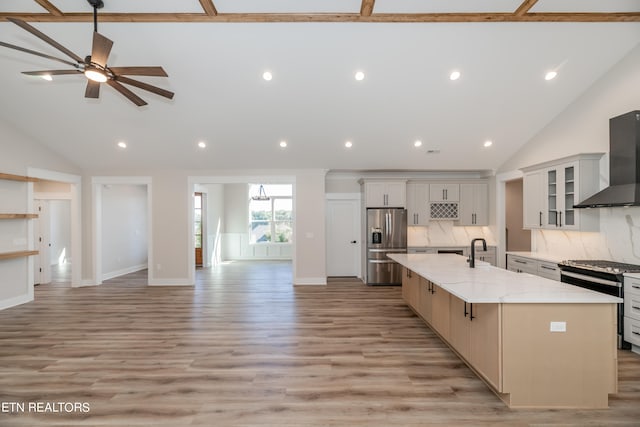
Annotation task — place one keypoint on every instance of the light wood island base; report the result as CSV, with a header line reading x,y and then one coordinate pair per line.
x,y
512,349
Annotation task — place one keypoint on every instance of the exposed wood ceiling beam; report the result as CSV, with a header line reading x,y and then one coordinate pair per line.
x,y
366,9
51,8
330,17
525,7
208,7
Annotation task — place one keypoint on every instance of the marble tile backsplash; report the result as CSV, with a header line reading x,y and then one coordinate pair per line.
x,y
617,240
444,233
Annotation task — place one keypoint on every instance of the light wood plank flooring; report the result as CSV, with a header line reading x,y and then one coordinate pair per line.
x,y
246,348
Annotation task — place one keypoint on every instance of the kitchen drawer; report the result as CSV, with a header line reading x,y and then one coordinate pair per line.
x,y
632,305
522,265
421,251
549,270
632,330
631,285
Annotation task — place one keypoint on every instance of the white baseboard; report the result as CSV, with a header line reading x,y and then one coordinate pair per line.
x,y
310,281
123,271
85,282
169,282
12,302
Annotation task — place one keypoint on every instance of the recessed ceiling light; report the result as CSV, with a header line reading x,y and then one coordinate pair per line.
x,y
267,75
202,144
359,76
455,75
348,144
488,143
283,144
418,143
122,144
550,75
47,77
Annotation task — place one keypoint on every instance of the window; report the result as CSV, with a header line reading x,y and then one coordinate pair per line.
x,y
271,221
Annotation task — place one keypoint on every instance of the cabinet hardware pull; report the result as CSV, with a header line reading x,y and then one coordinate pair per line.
x,y
519,262
635,333
560,215
635,287
548,268
465,309
540,218
471,316
635,308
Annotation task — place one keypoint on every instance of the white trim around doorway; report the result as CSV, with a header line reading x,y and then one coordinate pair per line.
x,y
96,184
76,218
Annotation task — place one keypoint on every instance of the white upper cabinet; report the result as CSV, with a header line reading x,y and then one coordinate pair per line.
x,y
533,200
552,189
447,192
474,204
385,194
417,204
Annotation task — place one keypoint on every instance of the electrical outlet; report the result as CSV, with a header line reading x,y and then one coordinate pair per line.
x,y
558,326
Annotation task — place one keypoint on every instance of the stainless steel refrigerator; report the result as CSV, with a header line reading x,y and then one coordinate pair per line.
x,y
386,233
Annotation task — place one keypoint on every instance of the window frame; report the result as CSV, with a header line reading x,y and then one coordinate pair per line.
x,y
272,221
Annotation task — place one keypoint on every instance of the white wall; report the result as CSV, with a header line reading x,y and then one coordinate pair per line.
x,y
582,128
60,226
124,229
310,245
19,153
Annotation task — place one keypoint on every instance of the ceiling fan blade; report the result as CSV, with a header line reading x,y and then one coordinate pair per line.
x,y
126,92
140,71
45,38
92,90
33,52
101,49
51,72
145,86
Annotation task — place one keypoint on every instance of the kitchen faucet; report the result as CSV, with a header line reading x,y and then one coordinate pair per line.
x,y
472,260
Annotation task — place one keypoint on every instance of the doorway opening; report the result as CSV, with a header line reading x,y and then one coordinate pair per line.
x,y
198,226
56,233
516,237
236,222
122,227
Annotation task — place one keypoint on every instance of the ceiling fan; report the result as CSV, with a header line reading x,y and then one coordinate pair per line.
x,y
94,66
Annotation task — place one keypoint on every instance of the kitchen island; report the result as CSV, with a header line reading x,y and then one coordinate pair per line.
x,y
536,342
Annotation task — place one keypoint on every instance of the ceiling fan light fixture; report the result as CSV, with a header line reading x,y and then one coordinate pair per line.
x,y
95,75
47,77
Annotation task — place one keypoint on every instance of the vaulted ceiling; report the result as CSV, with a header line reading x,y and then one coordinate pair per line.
x,y
215,53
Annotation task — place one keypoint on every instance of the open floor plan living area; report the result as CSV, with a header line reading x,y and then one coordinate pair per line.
x,y
319,213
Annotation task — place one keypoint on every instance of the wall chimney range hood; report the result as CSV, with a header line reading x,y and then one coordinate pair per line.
x,y
624,165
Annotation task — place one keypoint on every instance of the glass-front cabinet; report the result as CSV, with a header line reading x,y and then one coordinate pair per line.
x,y
551,190
561,196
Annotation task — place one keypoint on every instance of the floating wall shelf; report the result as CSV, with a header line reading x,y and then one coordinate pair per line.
x,y
19,254
17,216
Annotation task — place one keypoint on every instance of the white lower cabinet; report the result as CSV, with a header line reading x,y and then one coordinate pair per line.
x,y
632,310
520,264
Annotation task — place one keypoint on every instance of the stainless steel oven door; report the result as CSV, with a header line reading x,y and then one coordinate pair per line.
x,y
609,287
605,286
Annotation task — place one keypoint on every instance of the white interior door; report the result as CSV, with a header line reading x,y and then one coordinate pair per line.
x,y
42,236
343,238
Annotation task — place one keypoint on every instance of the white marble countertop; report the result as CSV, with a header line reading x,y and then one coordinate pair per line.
x,y
489,284
537,256
632,275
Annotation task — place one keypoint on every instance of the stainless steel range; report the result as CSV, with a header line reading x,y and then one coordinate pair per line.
x,y
600,276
